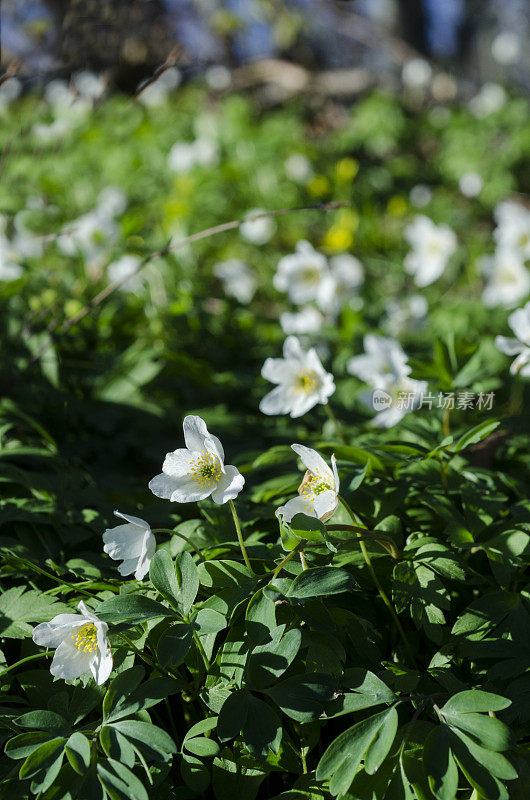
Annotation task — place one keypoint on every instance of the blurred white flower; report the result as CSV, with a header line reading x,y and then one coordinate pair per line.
x,y
10,270
401,395
506,48
345,274
125,269
381,357
300,274
157,92
89,85
89,234
81,645
133,544
238,279
198,470
420,195
409,313
65,102
513,227
301,378
307,320
508,280
490,98
318,491
218,77
52,132
298,168
257,231
470,184
432,246
416,73
183,156
112,201
519,322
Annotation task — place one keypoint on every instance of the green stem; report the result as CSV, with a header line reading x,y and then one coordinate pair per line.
x,y
40,571
148,660
24,661
336,423
239,534
201,650
181,536
363,533
287,558
303,560
382,593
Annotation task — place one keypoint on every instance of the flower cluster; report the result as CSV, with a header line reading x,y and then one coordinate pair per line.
x,y
506,273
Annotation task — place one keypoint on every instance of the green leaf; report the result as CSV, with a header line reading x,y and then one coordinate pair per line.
x,y
342,758
148,738
474,701
144,696
44,721
270,660
476,434
44,758
133,608
439,764
175,643
302,697
77,750
163,577
25,743
188,576
18,608
319,581
120,782
233,715
360,689
120,687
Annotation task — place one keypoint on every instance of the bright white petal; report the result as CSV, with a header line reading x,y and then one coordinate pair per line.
x,y
51,634
144,561
511,347
325,505
124,541
229,485
278,401
101,666
69,662
195,432
187,490
298,505
128,566
277,370
163,485
133,520
292,348
177,463
519,322
313,461
302,403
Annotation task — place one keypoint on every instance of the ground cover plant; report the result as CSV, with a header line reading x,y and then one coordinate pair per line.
x,y
264,520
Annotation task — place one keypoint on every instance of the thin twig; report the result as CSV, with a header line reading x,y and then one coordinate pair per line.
x,y
169,248
170,61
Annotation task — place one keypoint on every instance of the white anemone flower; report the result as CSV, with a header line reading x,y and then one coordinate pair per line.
x,y
132,543
394,396
300,274
519,322
10,270
198,470
344,276
319,490
382,357
238,279
508,280
302,381
432,246
81,645
125,269
513,227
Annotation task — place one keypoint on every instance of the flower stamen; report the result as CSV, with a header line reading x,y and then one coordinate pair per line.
x,y
205,470
85,638
306,381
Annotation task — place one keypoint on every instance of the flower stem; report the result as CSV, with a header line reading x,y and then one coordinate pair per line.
x,y
24,661
363,533
287,558
382,594
303,560
239,534
180,536
336,423
201,650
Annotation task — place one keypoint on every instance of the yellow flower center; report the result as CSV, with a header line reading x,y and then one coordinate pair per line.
x,y
523,240
306,381
85,638
310,275
205,469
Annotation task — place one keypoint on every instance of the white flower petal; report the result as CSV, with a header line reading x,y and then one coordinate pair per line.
x,y
302,403
195,432
229,485
163,485
177,463
313,461
144,561
69,662
277,370
51,634
298,505
510,347
519,322
133,520
187,490
278,401
124,541
325,505
101,665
